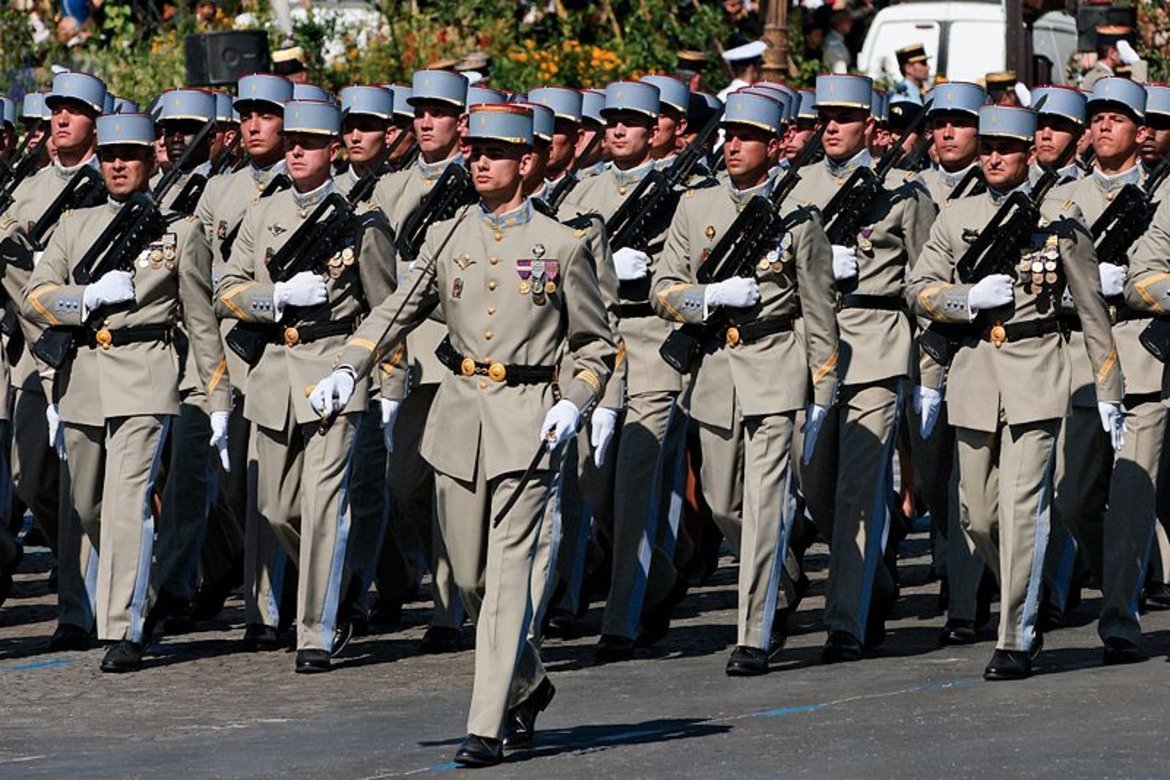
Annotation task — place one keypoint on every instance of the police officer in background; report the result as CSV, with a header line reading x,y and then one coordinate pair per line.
x,y
551,304
1009,381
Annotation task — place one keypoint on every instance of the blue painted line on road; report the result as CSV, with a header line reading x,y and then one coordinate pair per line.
x,y
930,687
780,711
32,666
444,767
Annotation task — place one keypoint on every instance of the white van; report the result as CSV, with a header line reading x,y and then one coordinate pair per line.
x,y
965,40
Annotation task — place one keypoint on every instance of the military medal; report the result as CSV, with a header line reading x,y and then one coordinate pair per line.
x,y
525,287
763,265
156,258
538,250
524,270
550,287
863,242
709,232
457,288
347,256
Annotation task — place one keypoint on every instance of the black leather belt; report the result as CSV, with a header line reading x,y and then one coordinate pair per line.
x,y
878,302
309,332
1018,331
510,374
633,311
752,332
117,337
634,290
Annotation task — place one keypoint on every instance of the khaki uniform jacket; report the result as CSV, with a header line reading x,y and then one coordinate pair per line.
x,y
1147,285
481,263
360,273
875,344
1143,373
1029,378
772,375
222,207
399,195
139,378
647,372
31,199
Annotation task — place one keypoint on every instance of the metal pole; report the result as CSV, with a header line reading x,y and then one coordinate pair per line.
x,y
776,36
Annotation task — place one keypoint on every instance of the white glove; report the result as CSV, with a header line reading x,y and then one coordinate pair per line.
x,y
737,292
304,289
602,425
219,437
927,404
332,393
991,292
113,287
844,262
631,264
1024,95
1128,55
389,415
1113,421
814,418
559,424
1112,279
56,432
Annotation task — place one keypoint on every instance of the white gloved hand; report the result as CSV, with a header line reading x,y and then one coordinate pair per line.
x,y
844,262
991,292
559,424
389,415
1112,279
304,289
603,424
814,418
56,432
219,437
1128,55
631,264
113,287
738,292
1023,94
332,393
1113,421
927,404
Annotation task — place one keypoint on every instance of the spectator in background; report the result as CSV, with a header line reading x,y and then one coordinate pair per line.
x,y
837,57
689,68
743,17
746,63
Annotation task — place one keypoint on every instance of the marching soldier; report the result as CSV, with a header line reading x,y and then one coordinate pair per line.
x,y
438,99
1010,379
566,107
7,128
368,113
302,476
553,304
592,123
746,429
673,99
403,122
847,481
650,440
1059,122
118,393
75,102
182,113
260,100
1107,499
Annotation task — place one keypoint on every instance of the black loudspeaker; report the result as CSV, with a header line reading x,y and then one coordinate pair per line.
x,y
1090,17
221,58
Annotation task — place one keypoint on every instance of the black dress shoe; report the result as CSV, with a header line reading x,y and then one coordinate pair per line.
x,y
562,624
181,619
1157,596
521,724
1009,665
341,636
479,751
441,639
312,661
958,632
747,662
612,648
259,637
841,646
1118,650
212,596
69,637
125,656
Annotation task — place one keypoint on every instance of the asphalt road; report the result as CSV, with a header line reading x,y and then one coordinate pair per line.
x,y
202,708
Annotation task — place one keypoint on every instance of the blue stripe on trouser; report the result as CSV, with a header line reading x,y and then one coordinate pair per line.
x,y
1026,630
676,434
146,541
649,531
556,500
91,577
276,592
785,530
340,540
878,520
1062,572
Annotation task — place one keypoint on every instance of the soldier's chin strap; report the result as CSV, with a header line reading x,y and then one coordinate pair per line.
x,y
327,420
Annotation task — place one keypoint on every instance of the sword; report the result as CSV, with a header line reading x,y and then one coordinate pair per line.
x,y
549,436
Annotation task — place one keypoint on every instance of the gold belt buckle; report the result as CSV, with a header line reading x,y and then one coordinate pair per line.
x,y
292,337
496,372
998,335
104,338
467,367
732,336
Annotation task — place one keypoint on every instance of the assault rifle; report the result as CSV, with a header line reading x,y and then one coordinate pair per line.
x,y
452,190
1127,217
572,177
168,181
26,167
188,197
